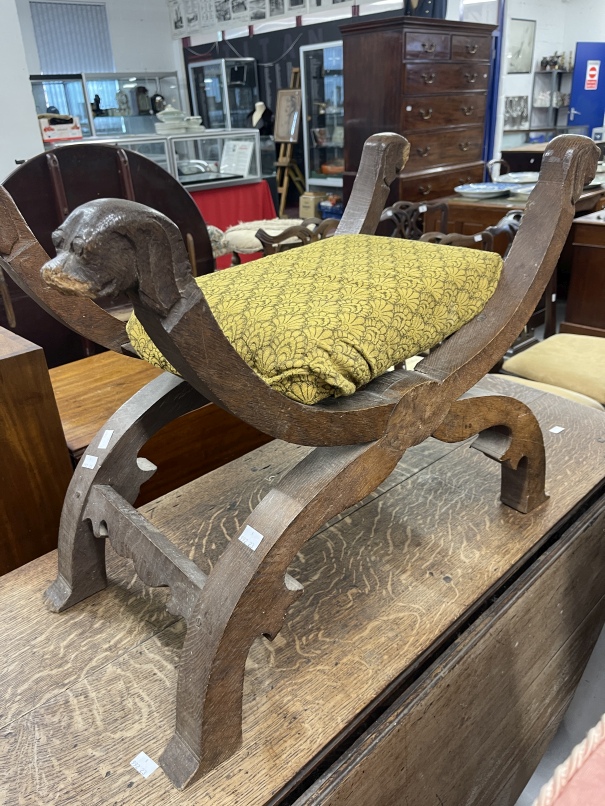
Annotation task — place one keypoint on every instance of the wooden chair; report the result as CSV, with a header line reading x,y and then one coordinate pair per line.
x,y
308,231
407,218
358,439
508,226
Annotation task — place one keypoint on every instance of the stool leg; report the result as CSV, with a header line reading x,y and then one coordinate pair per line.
x,y
111,459
248,594
510,434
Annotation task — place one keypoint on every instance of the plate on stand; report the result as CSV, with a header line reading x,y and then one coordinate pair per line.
x,y
483,190
520,178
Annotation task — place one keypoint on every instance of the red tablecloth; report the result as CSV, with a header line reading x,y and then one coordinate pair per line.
x,y
225,207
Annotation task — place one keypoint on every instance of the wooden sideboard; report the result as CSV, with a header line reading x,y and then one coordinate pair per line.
x,y
34,463
428,80
438,640
585,309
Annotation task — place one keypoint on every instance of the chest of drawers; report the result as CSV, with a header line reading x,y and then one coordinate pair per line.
x,y
428,80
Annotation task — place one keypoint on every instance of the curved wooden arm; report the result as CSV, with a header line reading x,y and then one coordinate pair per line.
x,y
25,257
383,157
569,163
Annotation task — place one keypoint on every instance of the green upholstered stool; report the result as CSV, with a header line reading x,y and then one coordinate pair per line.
x,y
567,360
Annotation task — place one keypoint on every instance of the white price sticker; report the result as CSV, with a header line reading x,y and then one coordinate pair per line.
x,y
478,237
251,538
107,435
143,764
90,461
556,429
423,208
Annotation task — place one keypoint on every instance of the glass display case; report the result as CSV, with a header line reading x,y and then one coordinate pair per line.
x,y
216,158
224,92
108,104
63,95
323,114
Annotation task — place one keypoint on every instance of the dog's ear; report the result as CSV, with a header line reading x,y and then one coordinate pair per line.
x,y
162,265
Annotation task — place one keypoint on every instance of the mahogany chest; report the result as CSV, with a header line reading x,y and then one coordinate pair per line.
x,y
428,80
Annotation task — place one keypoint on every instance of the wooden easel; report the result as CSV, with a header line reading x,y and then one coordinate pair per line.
x,y
287,168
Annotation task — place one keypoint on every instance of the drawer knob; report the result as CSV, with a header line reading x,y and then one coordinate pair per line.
x,y
468,110
471,77
472,48
426,114
429,77
428,47
424,190
423,152
464,146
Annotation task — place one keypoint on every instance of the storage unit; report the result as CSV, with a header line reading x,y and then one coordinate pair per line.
x,y
224,91
114,104
428,80
585,309
323,114
549,103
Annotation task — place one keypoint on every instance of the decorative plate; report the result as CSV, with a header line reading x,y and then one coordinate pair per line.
x,y
520,177
483,190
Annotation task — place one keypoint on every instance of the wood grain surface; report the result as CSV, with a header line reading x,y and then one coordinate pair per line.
x,y
494,700
89,391
82,693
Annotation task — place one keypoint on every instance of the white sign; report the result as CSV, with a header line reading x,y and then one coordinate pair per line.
x,y
592,75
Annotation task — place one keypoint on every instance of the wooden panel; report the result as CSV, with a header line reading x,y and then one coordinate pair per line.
x,y
442,148
494,701
426,112
586,295
471,47
83,692
434,78
426,45
34,463
438,183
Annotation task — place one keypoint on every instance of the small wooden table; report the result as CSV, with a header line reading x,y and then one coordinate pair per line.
x,y
585,310
444,630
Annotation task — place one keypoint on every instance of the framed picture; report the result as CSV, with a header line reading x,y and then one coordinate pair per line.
x,y
520,46
287,116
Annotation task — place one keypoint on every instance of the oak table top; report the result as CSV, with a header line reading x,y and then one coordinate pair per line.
x,y
82,693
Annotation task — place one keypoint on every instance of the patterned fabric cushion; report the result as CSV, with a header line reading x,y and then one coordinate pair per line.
x,y
329,317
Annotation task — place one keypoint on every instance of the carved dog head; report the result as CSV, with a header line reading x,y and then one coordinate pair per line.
x,y
109,246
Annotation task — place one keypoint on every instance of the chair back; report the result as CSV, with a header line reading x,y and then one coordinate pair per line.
x,y
407,218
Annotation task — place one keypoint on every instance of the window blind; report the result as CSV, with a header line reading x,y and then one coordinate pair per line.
x,y
72,37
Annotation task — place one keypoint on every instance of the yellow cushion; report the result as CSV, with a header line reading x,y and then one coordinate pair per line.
x,y
556,390
329,317
567,360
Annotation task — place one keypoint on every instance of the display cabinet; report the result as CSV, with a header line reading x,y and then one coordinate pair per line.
x,y
205,159
224,91
323,113
108,104
64,95
211,158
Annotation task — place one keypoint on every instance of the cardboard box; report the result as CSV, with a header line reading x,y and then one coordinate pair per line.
x,y
62,131
309,204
